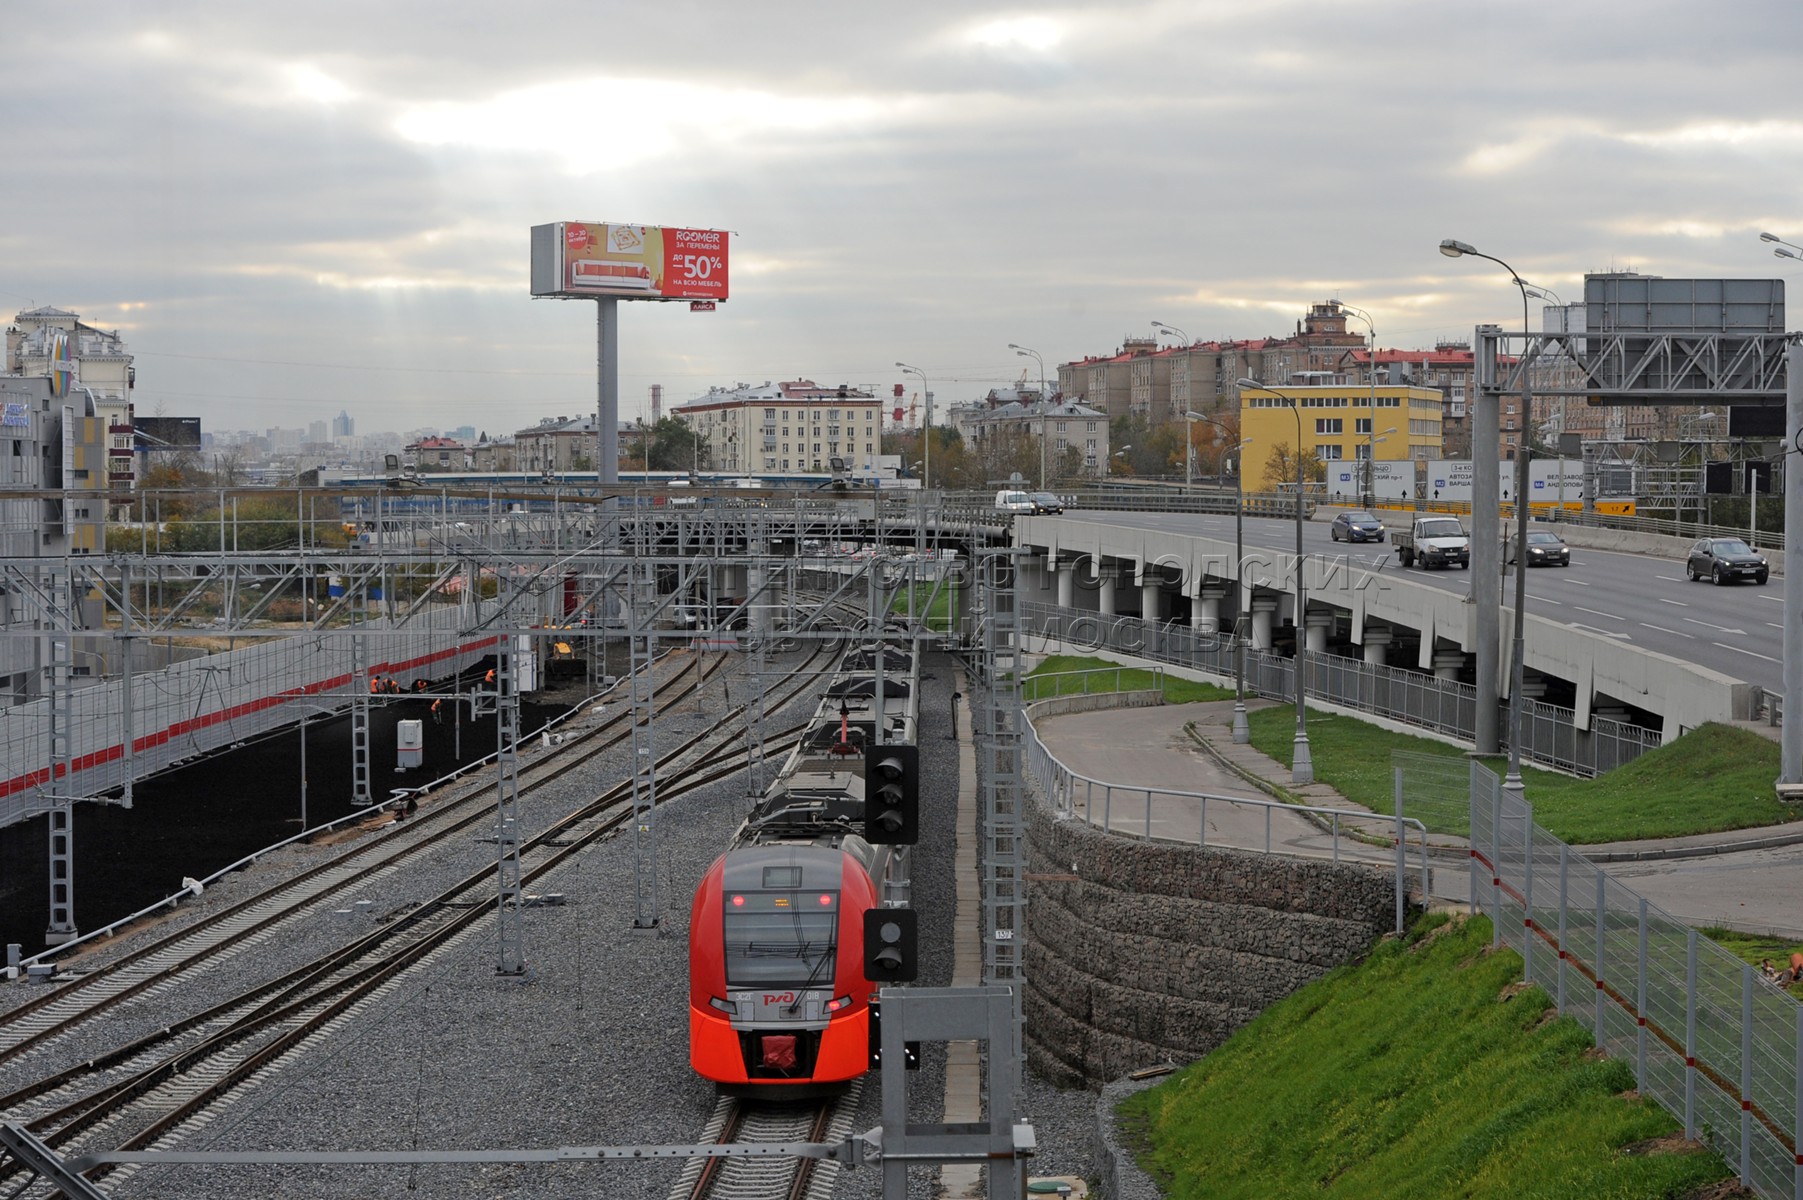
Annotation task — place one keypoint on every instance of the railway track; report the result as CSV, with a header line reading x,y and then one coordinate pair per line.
x,y
150,1090
738,1121
162,963
134,1096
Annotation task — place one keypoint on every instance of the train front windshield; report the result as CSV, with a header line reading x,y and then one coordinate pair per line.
x,y
782,938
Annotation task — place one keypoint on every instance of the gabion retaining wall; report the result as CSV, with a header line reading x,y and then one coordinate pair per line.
x,y
1144,952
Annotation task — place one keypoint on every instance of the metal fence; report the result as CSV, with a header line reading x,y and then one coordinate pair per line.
x,y
1550,736
1128,810
1710,1039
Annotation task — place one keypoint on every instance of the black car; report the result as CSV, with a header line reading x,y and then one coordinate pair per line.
x,y
1544,550
1725,559
1356,527
1046,502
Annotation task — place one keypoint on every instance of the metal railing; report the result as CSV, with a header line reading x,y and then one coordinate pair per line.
x,y
1714,1042
1075,796
1550,736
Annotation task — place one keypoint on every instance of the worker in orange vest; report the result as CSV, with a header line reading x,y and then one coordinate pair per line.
x,y
490,677
438,712
375,685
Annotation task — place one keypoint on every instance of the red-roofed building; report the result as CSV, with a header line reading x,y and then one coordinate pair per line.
x,y
1447,367
436,454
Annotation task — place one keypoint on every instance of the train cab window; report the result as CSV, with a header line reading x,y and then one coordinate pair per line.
x,y
780,938
785,878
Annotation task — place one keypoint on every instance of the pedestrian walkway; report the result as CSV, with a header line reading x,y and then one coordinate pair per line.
x,y
1749,879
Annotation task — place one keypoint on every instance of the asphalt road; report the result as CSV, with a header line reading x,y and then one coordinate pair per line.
x,y
1647,602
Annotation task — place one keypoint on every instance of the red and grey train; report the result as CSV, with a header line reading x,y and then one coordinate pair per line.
x,y
778,1001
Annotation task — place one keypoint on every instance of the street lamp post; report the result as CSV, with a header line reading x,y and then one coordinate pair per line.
x,y
926,430
1372,437
1453,248
1242,731
1023,351
1790,742
1302,767
1370,472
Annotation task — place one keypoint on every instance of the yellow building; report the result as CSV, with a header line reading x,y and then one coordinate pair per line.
x,y
1339,423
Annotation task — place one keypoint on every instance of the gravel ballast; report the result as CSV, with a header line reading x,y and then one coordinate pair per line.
x,y
593,1050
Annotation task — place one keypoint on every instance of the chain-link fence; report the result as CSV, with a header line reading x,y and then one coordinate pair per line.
x,y
1711,1039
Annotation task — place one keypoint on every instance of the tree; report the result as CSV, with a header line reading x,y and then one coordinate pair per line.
x,y
673,445
1280,467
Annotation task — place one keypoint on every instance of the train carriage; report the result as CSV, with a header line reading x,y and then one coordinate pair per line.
x,y
778,1000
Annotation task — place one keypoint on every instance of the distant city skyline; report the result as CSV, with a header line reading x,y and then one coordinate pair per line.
x,y
288,219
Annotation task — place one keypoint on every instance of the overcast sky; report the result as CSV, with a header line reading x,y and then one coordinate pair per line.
x,y
291,210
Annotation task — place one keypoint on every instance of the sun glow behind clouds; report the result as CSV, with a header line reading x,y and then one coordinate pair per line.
x,y
604,123
1037,35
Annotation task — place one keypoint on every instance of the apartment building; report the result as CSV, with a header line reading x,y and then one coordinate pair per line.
x,y
554,444
1447,368
52,343
57,446
1054,427
797,426
1342,423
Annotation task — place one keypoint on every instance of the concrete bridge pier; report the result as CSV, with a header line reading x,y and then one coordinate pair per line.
x,y
1067,584
1316,624
1263,607
1376,643
1205,610
1448,663
1151,601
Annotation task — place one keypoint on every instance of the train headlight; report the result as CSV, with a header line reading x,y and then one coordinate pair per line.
x,y
725,1006
838,1004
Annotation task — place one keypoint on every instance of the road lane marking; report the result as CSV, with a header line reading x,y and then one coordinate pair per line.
x,y
1671,579
1620,637
1673,632
1598,613
1663,600
1773,599
1717,628
1738,650
1579,582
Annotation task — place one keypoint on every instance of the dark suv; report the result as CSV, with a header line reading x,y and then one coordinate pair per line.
x,y
1725,559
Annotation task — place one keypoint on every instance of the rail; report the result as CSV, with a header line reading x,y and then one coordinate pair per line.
x,y
395,796
1061,786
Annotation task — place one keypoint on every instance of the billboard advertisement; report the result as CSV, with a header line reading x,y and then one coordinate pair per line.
x,y
167,433
587,259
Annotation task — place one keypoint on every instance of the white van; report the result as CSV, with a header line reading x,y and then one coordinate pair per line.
x,y
1014,502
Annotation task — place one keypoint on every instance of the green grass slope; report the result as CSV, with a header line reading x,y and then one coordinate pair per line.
x,y
1427,1071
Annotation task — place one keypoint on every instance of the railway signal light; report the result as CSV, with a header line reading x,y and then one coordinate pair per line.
x,y
892,795
890,941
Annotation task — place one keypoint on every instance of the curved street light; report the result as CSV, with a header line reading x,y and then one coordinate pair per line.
x,y
1453,248
1242,730
1302,766
1370,499
926,430
1174,331
1022,352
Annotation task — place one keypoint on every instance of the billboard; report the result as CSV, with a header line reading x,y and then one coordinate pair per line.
x,y
166,433
589,259
1551,481
1390,480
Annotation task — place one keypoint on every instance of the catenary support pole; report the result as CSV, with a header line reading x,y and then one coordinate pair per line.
x,y
1790,742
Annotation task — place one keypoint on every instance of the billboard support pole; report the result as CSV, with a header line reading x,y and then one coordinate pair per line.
x,y
607,383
